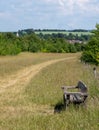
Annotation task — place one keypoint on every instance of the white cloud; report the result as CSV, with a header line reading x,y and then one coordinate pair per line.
x,y
61,2
60,7
67,7
52,13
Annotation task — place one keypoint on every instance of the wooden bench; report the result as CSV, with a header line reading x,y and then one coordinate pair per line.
x,y
78,97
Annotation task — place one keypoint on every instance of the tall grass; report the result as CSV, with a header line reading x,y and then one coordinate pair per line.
x,y
33,107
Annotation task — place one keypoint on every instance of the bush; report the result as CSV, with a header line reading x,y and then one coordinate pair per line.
x,y
91,53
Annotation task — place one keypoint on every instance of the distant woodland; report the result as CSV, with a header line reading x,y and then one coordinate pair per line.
x,y
56,41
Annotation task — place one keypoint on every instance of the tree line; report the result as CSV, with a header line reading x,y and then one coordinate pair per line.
x,y
77,34
10,44
70,36
62,30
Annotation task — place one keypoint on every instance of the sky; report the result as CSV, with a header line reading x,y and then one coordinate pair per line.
x,y
48,14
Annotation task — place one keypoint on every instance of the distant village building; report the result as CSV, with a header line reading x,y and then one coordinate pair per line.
x,y
17,34
75,41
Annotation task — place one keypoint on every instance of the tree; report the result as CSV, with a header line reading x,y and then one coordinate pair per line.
x,y
91,53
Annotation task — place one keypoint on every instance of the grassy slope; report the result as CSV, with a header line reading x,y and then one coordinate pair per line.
x,y
33,107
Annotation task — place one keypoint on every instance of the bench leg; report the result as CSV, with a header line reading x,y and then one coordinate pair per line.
x,y
66,99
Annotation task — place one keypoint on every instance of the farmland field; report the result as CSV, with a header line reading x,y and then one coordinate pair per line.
x,y
63,32
30,88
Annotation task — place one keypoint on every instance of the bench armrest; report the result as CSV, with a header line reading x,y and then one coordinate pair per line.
x,y
68,87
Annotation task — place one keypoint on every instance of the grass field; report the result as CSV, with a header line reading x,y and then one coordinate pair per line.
x,y
29,103
64,32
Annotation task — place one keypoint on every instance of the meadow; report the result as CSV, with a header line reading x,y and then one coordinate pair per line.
x,y
63,32
30,105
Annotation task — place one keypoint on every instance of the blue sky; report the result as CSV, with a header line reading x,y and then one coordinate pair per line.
x,y
52,14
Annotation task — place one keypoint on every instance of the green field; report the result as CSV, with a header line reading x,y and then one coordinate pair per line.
x,y
30,88
63,32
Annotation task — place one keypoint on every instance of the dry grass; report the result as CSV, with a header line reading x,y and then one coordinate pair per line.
x,y
25,73
11,64
29,103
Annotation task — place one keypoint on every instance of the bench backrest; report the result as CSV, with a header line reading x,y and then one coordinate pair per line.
x,y
82,87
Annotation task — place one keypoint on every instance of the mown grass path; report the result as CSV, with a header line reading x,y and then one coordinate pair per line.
x,y
23,76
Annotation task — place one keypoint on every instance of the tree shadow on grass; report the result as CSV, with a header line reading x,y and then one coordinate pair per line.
x,y
59,107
